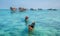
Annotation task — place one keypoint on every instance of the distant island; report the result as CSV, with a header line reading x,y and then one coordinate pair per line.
x,y
21,9
52,9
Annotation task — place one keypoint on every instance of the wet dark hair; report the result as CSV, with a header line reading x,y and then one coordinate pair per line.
x,y
31,26
26,17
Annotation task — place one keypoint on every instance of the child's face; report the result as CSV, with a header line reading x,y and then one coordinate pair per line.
x,y
30,28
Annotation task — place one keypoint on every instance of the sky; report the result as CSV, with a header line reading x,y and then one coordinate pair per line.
x,y
45,4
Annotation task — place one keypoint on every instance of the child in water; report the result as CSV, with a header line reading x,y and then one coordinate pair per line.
x,y
31,26
26,19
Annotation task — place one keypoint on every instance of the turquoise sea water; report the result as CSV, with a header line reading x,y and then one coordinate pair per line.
x,y
13,24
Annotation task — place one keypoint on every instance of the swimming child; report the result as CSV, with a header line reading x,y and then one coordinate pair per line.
x,y
31,26
26,19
